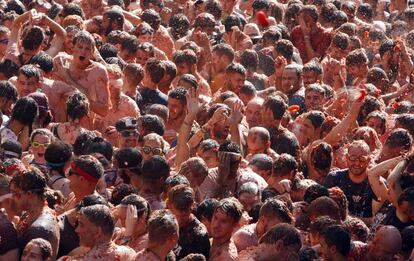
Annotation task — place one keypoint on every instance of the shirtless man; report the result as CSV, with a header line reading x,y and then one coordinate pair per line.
x,y
226,218
89,77
95,229
162,236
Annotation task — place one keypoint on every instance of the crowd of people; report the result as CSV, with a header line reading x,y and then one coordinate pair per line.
x,y
192,130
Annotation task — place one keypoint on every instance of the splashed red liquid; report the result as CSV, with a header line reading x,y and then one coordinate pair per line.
x,y
293,108
362,96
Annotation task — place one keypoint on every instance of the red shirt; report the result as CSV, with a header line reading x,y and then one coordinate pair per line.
x,y
320,41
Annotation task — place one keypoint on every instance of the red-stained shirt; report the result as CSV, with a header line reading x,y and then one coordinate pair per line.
x,y
320,41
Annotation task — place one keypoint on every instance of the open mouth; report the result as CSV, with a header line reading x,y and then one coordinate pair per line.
x,y
82,58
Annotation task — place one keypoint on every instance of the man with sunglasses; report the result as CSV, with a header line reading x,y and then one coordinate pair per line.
x,y
127,132
4,40
353,181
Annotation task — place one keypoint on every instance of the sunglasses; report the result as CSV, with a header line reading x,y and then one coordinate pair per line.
x,y
127,133
155,151
146,31
36,145
71,173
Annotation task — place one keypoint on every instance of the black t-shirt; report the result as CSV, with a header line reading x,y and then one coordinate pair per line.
x,y
150,96
8,235
193,239
69,239
391,219
359,195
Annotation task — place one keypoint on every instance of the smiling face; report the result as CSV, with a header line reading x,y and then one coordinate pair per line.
x,y
38,147
358,159
314,100
26,85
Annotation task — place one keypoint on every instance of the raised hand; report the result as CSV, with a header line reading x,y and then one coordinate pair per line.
x,y
236,115
193,104
280,64
130,220
219,114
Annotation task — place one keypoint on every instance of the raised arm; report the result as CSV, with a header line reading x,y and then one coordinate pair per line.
x,y
183,149
236,117
394,181
60,35
339,131
377,182
18,23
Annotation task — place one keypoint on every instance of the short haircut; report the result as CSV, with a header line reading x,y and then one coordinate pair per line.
x,y
322,222
261,162
158,110
205,209
324,206
249,59
155,69
313,66
208,145
31,181
154,169
161,225
399,138
195,166
101,146
274,208
152,123
181,197
229,146
29,71
224,49
151,17
231,207
235,68
44,246
141,204
315,191
8,91
134,73
277,105
178,93
185,56
90,165
115,15
25,110
190,79
284,164
287,233
386,46
341,41
339,237
77,106
316,118
33,38
356,57
101,216
310,10
58,153
44,61
84,37
285,48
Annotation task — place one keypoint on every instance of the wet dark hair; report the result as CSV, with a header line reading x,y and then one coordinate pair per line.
x,y
90,165
286,143
287,233
101,216
406,195
310,10
181,197
316,118
155,69
399,138
8,91
229,146
72,9
322,222
232,207
77,106
25,110
386,46
130,44
152,124
82,142
224,49
214,7
339,237
45,247
178,93
31,181
186,56
58,153
122,191
365,10
33,38
235,68
189,78
249,59
142,205
274,208
356,57
230,21
108,50
154,169
324,206
99,145
151,17
407,236
91,200
284,164
8,68
315,191
44,61
206,209
29,71
322,157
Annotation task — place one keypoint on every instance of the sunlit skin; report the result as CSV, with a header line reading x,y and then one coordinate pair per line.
x,y
142,57
32,252
25,85
86,231
39,153
222,226
314,100
290,82
310,77
358,159
209,156
153,143
376,124
235,82
253,113
176,108
248,200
